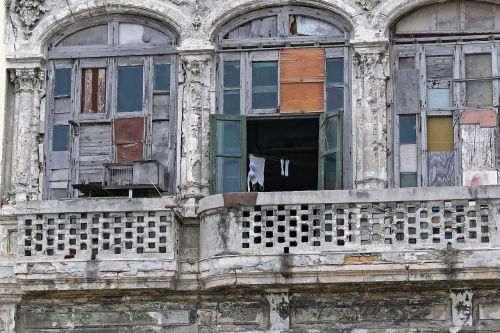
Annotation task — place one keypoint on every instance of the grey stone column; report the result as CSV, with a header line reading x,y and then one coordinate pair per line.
x,y
25,168
7,315
195,101
369,122
461,309
279,310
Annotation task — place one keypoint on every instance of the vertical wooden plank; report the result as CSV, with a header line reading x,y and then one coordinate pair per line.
x,y
407,97
441,168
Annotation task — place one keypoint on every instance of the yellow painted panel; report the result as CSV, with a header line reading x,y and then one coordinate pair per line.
x,y
440,136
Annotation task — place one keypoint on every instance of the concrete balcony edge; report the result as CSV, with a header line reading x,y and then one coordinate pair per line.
x,y
349,196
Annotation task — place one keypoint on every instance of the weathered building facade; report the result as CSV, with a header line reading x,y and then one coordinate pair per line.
x,y
251,166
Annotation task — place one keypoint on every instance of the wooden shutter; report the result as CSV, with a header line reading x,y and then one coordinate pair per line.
x,y
330,151
406,94
128,135
228,154
302,80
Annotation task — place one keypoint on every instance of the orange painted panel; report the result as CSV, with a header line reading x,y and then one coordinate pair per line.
x,y
302,97
302,65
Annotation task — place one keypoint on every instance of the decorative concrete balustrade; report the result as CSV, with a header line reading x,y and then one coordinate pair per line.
x,y
98,239
326,230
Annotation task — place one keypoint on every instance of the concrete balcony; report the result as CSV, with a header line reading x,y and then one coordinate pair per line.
x,y
325,237
95,243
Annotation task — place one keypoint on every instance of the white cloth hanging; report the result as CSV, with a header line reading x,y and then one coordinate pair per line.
x,y
284,167
256,172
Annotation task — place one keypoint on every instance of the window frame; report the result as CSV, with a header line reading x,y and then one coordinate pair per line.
x,y
110,57
420,52
246,57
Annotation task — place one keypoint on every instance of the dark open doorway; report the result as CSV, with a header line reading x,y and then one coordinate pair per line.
x,y
293,139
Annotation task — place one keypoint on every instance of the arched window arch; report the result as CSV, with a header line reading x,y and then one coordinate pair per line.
x,y
110,119
283,102
446,94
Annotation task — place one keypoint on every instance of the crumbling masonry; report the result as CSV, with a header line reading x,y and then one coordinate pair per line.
x,y
127,130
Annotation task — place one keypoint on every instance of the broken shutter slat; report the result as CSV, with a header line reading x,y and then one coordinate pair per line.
x,y
406,98
302,77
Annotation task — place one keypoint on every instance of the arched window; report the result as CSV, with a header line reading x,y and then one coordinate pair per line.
x,y
283,100
111,109
446,94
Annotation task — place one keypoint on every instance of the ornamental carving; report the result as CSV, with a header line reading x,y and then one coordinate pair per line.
x,y
368,4
27,79
28,11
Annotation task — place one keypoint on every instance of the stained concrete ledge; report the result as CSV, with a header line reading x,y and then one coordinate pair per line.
x,y
88,205
353,196
107,274
346,268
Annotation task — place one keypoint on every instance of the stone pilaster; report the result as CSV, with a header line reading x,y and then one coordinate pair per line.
x,y
461,309
195,101
7,316
279,310
370,63
25,162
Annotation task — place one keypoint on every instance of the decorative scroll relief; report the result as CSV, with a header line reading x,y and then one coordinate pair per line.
x,y
368,4
28,11
27,79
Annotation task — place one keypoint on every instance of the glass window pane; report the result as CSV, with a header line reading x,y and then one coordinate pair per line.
x,y
408,179
231,74
130,33
331,135
60,138
407,129
265,85
162,77
228,137
438,98
331,172
93,90
440,134
62,82
477,66
310,26
228,174
335,71
334,98
232,102
479,93
96,35
130,88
